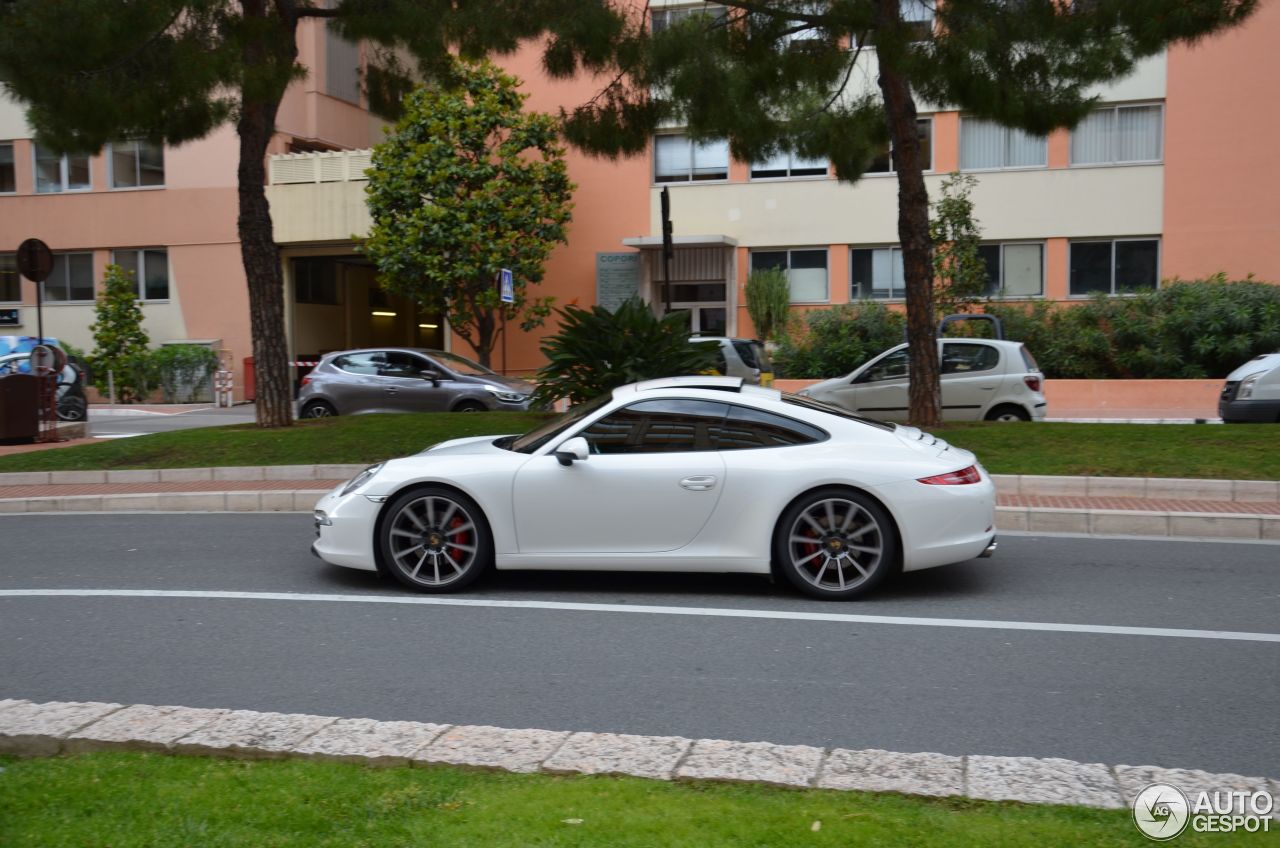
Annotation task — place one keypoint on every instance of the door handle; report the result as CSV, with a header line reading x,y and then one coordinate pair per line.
x,y
392,390
701,483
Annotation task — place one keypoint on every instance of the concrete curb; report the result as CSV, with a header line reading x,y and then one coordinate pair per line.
x,y
1155,488
32,729
271,500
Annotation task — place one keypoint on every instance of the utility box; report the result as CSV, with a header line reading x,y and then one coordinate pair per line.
x,y
19,407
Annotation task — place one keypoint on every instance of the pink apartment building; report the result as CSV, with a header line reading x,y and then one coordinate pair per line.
x,y
1171,177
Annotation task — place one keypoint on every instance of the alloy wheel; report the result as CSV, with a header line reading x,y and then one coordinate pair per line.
x,y
432,541
835,544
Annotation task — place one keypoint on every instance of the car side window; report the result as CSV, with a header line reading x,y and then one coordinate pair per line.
x,y
401,364
967,357
357,363
895,366
744,429
657,426
747,353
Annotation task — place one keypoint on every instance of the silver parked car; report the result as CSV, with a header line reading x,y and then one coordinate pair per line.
x,y
981,380
745,358
403,379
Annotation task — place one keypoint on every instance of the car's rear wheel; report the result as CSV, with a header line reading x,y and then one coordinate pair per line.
x,y
836,544
470,406
318,409
72,408
1008,412
435,540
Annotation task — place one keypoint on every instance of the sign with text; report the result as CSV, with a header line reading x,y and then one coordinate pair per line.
x,y
617,278
507,285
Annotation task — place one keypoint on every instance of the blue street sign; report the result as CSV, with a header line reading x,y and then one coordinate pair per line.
x,y
507,285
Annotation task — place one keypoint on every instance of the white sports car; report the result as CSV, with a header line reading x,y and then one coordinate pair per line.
x,y
679,474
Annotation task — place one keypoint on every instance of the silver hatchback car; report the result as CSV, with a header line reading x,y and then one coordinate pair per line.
x,y
403,379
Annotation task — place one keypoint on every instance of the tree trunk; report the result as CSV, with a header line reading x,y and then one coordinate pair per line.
x,y
258,252
924,397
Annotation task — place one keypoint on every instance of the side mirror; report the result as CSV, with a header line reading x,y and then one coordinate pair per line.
x,y
433,376
576,448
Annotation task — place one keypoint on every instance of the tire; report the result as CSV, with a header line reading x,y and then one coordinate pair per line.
x,y
318,409
72,408
470,406
1008,412
434,539
838,520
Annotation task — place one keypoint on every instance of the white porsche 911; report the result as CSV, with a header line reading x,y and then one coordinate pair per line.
x,y
679,474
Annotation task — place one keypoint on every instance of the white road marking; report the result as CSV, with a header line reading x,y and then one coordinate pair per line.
x,y
707,612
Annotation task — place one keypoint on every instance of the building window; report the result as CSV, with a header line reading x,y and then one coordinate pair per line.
x,y
1114,267
784,164
10,282
55,173
806,271
8,175
71,279
876,272
1013,270
678,159
986,145
150,267
660,19
918,14
136,164
315,280
341,66
886,163
1119,134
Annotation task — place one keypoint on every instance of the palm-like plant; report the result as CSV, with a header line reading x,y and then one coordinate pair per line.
x,y
597,350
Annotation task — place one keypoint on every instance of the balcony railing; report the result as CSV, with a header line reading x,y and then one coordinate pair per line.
x,y
334,167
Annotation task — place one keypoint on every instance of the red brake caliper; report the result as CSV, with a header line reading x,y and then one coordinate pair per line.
x,y
464,538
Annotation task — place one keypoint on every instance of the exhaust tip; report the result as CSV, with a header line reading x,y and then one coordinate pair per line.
x,y
990,549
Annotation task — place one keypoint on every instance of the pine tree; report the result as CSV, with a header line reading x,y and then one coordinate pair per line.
x,y
800,76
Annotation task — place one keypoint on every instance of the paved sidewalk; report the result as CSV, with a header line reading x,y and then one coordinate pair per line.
x,y
31,729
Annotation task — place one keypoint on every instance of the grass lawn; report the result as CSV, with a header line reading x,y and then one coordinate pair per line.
x,y
122,800
1114,450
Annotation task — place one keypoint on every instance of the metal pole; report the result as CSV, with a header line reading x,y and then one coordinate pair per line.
x,y
40,312
504,340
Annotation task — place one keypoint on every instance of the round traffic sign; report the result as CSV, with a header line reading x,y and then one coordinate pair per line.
x,y
35,260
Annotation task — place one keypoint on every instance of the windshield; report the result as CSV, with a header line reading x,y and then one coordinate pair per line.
x,y
543,433
458,365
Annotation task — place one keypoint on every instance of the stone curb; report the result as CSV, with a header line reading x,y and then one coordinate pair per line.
x,y
31,730
276,500
1154,488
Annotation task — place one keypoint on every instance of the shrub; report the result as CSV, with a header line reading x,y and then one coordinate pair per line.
x,y
120,343
832,342
768,294
1185,330
597,350
183,371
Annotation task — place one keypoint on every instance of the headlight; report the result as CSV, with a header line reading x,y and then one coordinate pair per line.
x,y
1246,387
505,394
361,478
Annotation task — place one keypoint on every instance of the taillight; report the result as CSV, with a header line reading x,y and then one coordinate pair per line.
x,y
1033,383
955,478
306,380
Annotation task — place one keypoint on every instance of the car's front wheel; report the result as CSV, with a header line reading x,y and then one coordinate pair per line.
x,y
435,540
835,544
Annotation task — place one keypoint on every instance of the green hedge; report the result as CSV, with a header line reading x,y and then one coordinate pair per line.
x,y
1184,330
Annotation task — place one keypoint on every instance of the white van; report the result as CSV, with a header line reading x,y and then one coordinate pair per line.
x,y
1252,392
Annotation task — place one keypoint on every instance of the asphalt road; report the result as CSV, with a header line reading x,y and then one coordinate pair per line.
x,y
1112,698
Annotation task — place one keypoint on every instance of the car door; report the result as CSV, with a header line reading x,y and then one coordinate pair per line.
x,y
353,383
650,484
880,390
404,387
971,375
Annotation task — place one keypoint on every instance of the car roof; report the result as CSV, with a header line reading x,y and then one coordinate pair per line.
x,y
691,381
424,350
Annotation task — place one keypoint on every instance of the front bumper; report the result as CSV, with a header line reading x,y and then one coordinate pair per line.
x,y
1250,411
347,538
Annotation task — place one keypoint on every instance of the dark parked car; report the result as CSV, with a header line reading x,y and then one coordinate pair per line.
x,y
402,379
